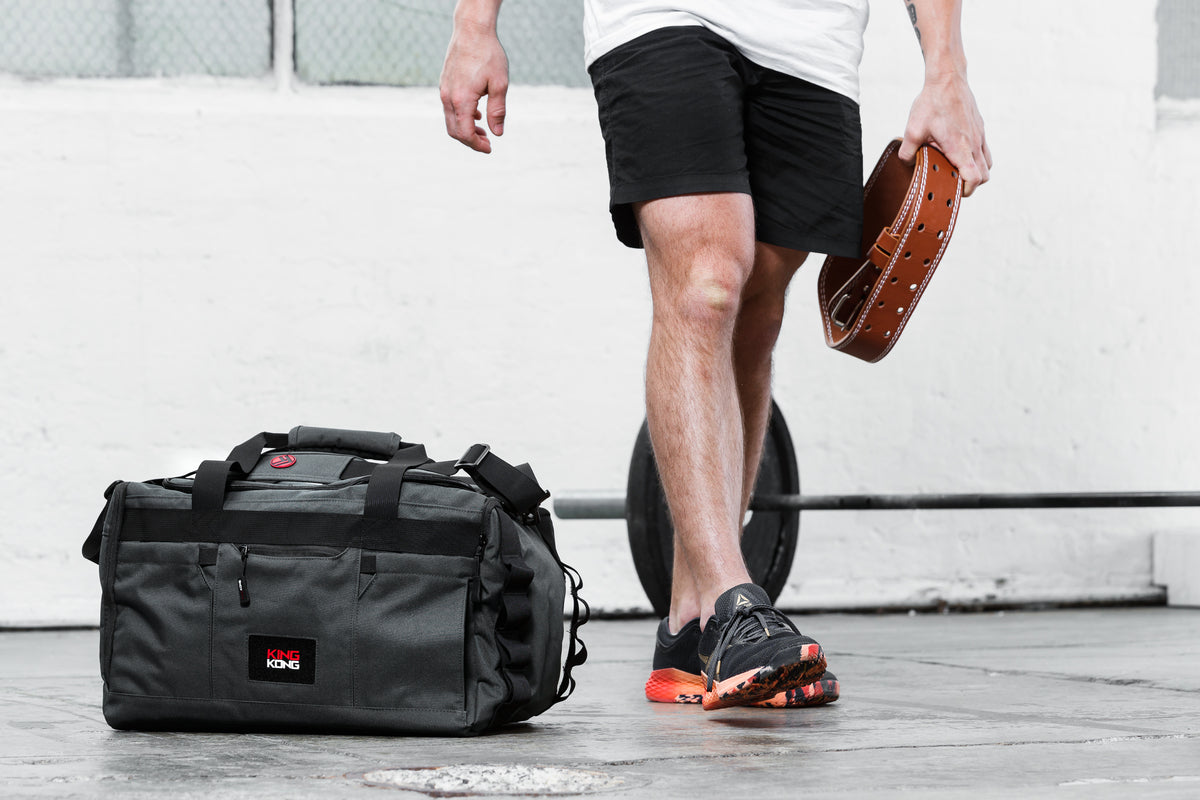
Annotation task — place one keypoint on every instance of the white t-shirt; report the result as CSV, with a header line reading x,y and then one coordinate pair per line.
x,y
817,40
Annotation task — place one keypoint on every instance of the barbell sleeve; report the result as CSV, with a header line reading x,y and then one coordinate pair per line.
x,y
590,505
1015,500
611,504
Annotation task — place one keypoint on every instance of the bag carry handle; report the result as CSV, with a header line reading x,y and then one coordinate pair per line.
x,y
515,486
212,477
383,487
368,444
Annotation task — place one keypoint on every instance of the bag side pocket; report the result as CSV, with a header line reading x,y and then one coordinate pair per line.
x,y
162,625
410,634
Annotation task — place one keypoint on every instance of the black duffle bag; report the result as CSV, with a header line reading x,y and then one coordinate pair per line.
x,y
342,582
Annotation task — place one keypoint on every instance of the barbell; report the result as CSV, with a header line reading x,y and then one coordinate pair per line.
x,y
772,529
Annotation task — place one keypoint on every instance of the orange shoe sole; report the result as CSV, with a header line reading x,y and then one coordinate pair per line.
x,y
677,686
765,683
674,686
818,693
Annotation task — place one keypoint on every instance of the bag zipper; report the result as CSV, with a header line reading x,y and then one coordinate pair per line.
x,y
184,483
277,551
243,586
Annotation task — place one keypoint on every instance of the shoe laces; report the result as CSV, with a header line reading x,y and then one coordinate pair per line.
x,y
748,624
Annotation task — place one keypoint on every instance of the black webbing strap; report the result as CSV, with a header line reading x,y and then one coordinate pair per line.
x,y
516,487
383,488
577,652
512,630
246,454
580,610
208,488
513,626
212,477
91,545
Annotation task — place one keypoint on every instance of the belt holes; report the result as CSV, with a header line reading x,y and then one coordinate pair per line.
x,y
926,262
908,254
867,328
953,174
921,227
912,287
930,195
881,304
948,204
900,310
887,335
935,169
940,234
895,279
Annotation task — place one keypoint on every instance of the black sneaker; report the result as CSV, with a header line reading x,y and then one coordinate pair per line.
x,y
675,676
752,652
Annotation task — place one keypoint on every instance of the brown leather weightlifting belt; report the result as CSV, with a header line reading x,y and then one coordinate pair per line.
x,y
908,216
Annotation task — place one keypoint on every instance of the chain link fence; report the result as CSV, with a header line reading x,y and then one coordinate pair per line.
x,y
1178,49
403,42
135,38
392,42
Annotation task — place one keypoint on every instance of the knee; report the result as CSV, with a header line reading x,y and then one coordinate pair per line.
x,y
709,296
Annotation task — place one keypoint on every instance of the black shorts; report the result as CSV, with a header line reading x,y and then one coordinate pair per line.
x,y
683,112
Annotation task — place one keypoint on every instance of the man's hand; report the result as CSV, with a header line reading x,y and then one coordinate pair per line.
x,y
475,66
945,115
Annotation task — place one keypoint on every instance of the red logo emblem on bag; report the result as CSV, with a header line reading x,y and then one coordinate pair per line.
x,y
283,462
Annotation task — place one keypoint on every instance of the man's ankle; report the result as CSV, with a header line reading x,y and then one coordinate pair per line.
x,y
676,621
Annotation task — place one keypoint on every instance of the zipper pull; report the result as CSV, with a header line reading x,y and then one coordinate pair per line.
x,y
243,587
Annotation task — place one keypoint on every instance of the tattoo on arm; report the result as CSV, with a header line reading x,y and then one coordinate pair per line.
x,y
912,17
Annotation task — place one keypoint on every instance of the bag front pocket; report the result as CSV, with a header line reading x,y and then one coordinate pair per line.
x,y
282,623
161,639
411,632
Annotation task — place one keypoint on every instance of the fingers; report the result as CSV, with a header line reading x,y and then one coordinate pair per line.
x,y
974,167
461,112
972,176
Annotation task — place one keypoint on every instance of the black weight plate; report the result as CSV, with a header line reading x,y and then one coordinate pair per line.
x,y
768,539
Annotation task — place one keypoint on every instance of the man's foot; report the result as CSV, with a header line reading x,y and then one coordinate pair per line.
x,y
752,652
676,678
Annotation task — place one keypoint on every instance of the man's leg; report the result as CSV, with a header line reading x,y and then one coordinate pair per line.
x,y
760,316
757,329
700,253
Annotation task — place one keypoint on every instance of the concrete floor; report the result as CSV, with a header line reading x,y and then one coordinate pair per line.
x,y
1079,704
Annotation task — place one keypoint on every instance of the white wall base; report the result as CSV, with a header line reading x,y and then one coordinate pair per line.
x,y
1177,566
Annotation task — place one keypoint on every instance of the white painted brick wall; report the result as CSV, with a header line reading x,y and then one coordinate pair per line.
x,y
186,264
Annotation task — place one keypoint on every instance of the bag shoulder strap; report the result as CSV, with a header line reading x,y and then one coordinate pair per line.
x,y
516,488
91,545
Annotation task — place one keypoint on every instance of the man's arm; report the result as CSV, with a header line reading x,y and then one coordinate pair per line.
x,y
945,113
475,66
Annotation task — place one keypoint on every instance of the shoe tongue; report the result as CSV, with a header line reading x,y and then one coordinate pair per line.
x,y
747,594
